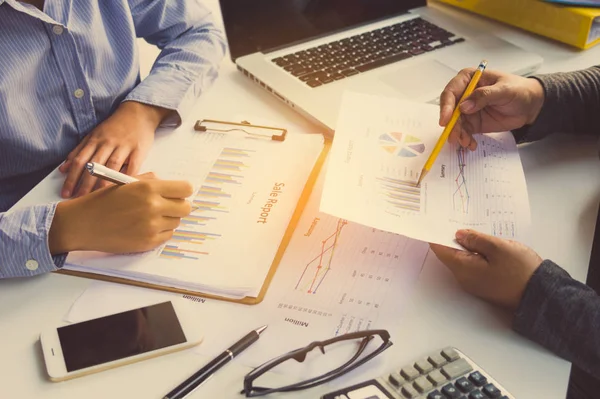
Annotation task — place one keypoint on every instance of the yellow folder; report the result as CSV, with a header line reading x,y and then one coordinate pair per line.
x,y
576,26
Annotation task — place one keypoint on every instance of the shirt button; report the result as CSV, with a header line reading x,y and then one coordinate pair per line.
x,y
31,264
78,93
57,29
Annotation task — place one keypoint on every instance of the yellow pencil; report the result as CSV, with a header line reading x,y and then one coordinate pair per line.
x,y
455,115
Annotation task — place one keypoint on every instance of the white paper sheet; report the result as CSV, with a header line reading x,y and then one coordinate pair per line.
x,y
335,277
246,192
379,149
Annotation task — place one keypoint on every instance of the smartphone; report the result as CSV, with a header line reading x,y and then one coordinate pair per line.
x,y
122,338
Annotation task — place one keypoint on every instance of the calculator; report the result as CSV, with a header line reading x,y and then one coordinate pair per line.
x,y
446,374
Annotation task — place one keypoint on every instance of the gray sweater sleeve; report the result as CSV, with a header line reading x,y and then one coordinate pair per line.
x,y
563,315
571,105
557,311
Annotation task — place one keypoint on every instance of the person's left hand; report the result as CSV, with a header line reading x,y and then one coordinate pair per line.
x,y
494,269
123,139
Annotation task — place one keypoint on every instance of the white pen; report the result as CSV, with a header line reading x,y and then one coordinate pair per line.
x,y
110,175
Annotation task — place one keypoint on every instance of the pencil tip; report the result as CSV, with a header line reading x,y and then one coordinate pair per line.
x,y
261,329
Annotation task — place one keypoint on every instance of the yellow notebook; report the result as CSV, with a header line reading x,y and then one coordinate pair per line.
x,y
576,26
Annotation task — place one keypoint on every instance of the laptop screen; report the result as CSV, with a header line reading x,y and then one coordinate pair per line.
x,y
262,25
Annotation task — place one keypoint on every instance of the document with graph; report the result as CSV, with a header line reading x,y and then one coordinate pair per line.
x,y
335,277
246,190
379,149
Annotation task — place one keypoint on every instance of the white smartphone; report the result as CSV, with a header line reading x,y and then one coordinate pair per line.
x,y
122,338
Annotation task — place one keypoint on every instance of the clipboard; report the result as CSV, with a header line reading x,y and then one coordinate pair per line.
x,y
305,195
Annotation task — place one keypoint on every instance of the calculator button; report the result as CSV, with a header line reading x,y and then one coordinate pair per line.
x,y
423,366
410,373
477,394
451,392
435,395
464,385
450,354
436,377
456,369
477,379
409,392
422,384
437,360
491,391
396,379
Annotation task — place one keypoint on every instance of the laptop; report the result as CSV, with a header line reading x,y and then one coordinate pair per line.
x,y
308,52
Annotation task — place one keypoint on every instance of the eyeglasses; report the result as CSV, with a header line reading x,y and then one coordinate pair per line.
x,y
370,343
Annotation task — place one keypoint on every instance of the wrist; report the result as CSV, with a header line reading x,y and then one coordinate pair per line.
x,y
66,232
536,100
151,113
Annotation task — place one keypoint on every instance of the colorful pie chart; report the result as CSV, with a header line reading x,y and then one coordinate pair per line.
x,y
401,144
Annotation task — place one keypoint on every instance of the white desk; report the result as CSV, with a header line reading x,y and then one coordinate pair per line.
x,y
564,187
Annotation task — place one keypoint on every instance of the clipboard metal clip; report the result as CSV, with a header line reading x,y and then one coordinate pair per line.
x,y
251,131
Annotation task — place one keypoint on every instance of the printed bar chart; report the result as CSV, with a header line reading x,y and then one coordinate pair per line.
x,y
173,252
220,178
209,191
209,206
196,220
401,194
236,152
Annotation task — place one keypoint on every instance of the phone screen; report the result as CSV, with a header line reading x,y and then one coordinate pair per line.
x,y
120,335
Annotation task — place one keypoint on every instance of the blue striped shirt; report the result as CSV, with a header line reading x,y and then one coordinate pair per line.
x,y
65,70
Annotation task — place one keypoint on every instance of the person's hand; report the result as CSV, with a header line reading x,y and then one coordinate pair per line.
x,y
133,217
501,102
123,139
495,269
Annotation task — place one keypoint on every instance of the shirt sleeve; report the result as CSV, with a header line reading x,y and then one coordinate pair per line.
x,y
192,48
24,247
571,105
563,315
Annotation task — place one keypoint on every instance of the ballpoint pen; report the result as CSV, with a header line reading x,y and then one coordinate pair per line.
x,y
108,174
455,115
207,371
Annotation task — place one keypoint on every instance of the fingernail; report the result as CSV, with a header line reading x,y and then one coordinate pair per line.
x,y
467,105
66,193
461,234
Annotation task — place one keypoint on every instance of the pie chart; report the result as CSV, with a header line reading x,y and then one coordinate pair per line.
x,y
401,144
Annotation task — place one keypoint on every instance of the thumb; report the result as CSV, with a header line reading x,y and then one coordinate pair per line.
x,y
477,242
481,98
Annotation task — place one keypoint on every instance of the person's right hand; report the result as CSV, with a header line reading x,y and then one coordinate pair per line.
x,y
501,102
134,217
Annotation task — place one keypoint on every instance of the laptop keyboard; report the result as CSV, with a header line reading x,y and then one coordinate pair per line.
x,y
340,59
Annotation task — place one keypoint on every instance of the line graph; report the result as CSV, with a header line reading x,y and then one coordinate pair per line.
x,y
461,198
321,262
363,271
